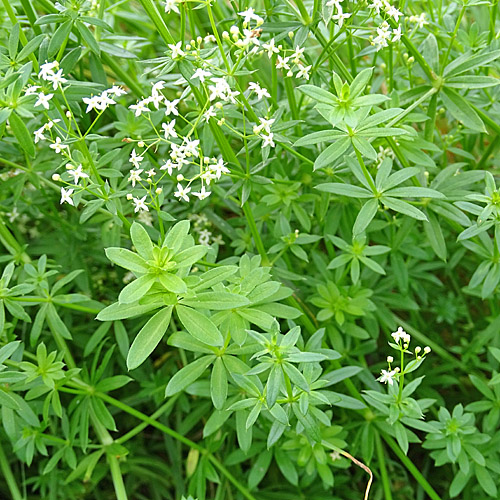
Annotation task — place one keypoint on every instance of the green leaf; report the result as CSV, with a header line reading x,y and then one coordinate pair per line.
x,y
365,216
485,481
88,37
187,375
415,192
190,256
332,152
214,276
403,207
435,235
112,383
216,301
14,41
318,94
199,326
141,241
22,134
218,384
461,110
359,84
173,283
148,338
136,290
345,190
118,311
59,37
176,235
127,259
273,385
316,137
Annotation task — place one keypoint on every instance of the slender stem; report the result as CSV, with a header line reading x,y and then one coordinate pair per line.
x,y
410,466
9,476
114,466
256,235
386,485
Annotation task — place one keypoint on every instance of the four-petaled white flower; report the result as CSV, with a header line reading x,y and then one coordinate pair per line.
x,y
78,174
135,159
201,74
182,193
169,129
249,15
202,194
176,49
271,48
66,196
171,5
268,140
260,91
43,100
387,377
171,107
135,176
57,146
140,204
303,71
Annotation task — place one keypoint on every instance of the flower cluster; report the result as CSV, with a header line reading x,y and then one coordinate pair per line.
x,y
402,342
384,33
340,16
103,100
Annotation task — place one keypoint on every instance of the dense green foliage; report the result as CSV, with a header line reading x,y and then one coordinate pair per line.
x,y
250,250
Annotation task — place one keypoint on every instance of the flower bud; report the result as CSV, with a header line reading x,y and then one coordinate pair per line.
x,y
390,359
56,177
129,196
159,190
180,177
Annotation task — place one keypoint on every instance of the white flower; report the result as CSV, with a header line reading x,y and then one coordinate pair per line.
x,y
140,107
51,123
396,35
57,146
271,48
104,101
419,20
387,377
177,52
282,62
249,15
116,90
182,192
204,237
219,168
341,17
151,173
400,334
169,166
171,5
157,86
268,140
135,159
299,52
209,113
135,176
265,124
171,107
394,13
376,5
140,204
201,74
335,3
191,147
39,134
78,174
56,79
303,71
47,70
43,100
32,89
202,194
91,102
261,92
66,196
169,129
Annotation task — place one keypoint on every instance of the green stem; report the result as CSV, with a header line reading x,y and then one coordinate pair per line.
x,y
386,484
255,234
410,466
9,476
116,474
